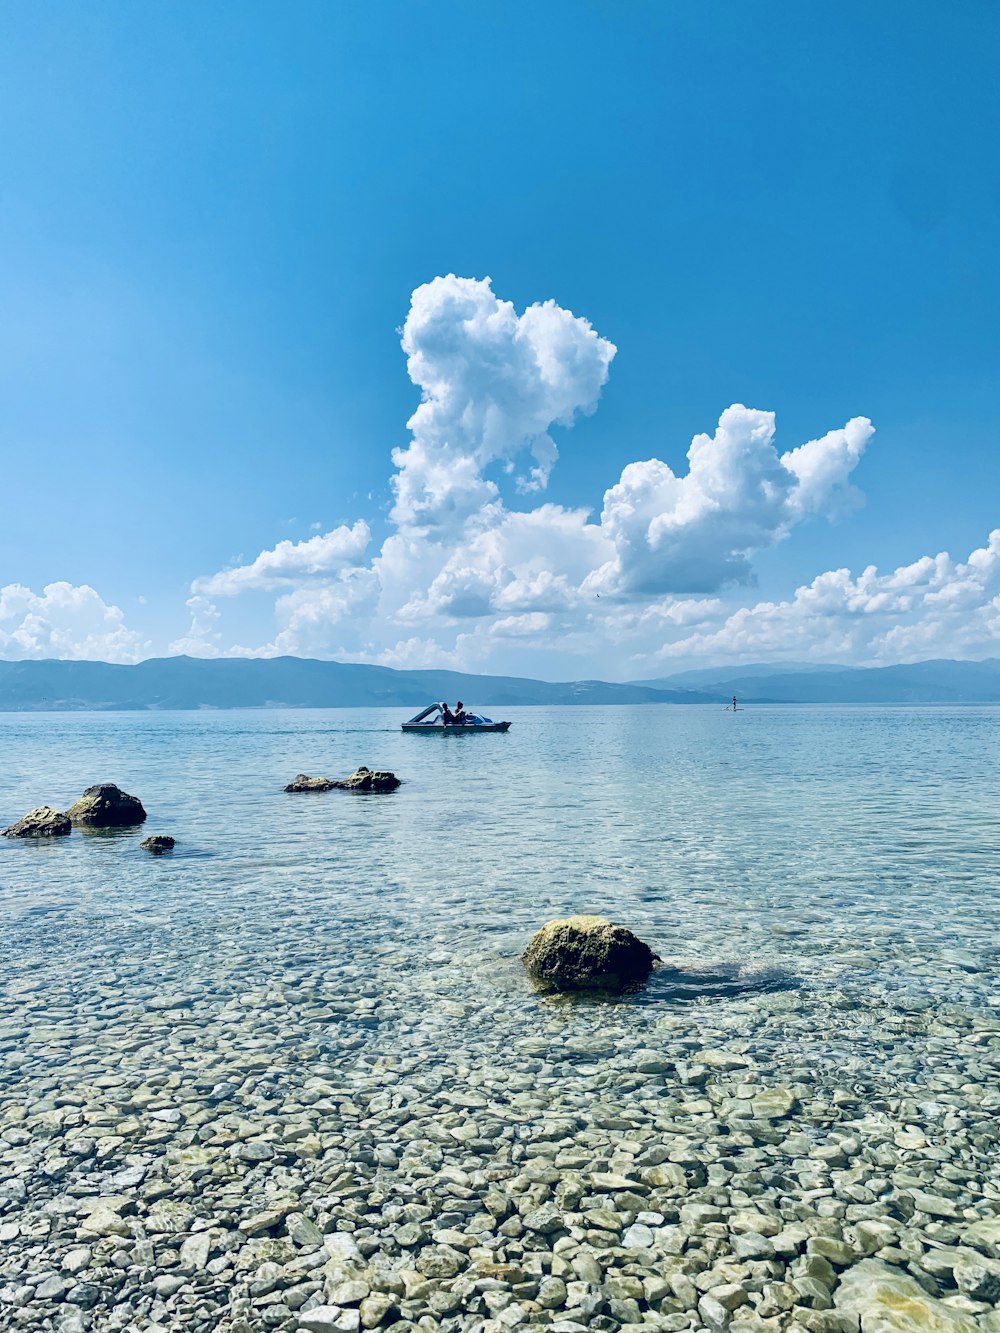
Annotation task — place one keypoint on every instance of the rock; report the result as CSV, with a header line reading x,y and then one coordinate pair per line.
x,y
438,1261
979,1279
374,1309
773,1103
104,1221
51,1288
581,952
302,1230
329,1319
76,1259
195,1251
168,1218
551,1293
888,1300
985,1236
106,806
303,783
363,779
158,844
544,1220
44,822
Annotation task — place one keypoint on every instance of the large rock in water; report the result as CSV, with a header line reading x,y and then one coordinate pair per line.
x,y
889,1300
363,779
106,806
44,822
587,953
303,783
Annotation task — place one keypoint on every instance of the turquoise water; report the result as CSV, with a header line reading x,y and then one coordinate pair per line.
x,y
336,976
829,844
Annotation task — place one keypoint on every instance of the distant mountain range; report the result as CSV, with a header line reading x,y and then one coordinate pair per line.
x,y
295,682
938,682
289,682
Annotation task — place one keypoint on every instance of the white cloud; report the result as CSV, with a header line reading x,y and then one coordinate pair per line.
x,y
492,383
463,579
696,533
932,607
66,621
203,636
473,573
290,561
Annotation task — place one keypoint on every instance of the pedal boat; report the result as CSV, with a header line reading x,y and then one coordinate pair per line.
x,y
431,723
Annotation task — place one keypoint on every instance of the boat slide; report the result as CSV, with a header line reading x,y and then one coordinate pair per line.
x,y
431,723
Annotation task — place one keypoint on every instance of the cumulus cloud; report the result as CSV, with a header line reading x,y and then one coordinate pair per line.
x,y
492,384
470,563
67,621
696,533
290,561
935,606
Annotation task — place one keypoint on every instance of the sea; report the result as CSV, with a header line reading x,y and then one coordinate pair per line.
x,y
822,885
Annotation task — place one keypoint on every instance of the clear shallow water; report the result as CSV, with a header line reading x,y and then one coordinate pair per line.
x,y
828,844
822,884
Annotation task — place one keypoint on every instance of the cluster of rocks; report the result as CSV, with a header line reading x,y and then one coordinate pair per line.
x,y
362,779
103,806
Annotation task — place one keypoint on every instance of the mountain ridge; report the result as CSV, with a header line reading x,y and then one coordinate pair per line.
x,y
184,683
187,683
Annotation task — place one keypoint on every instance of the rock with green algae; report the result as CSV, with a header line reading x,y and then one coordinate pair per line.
x,y
43,822
888,1300
587,953
106,806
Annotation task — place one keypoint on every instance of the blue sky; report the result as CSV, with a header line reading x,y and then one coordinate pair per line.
x,y
212,220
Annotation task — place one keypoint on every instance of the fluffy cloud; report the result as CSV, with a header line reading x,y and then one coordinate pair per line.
x,y
935,606
696,533
65,621
462,564
471,571
492,383
289,561
474,573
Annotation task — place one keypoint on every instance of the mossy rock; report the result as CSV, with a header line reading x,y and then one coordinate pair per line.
x,y
43,822
301,782
107,806
587,953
